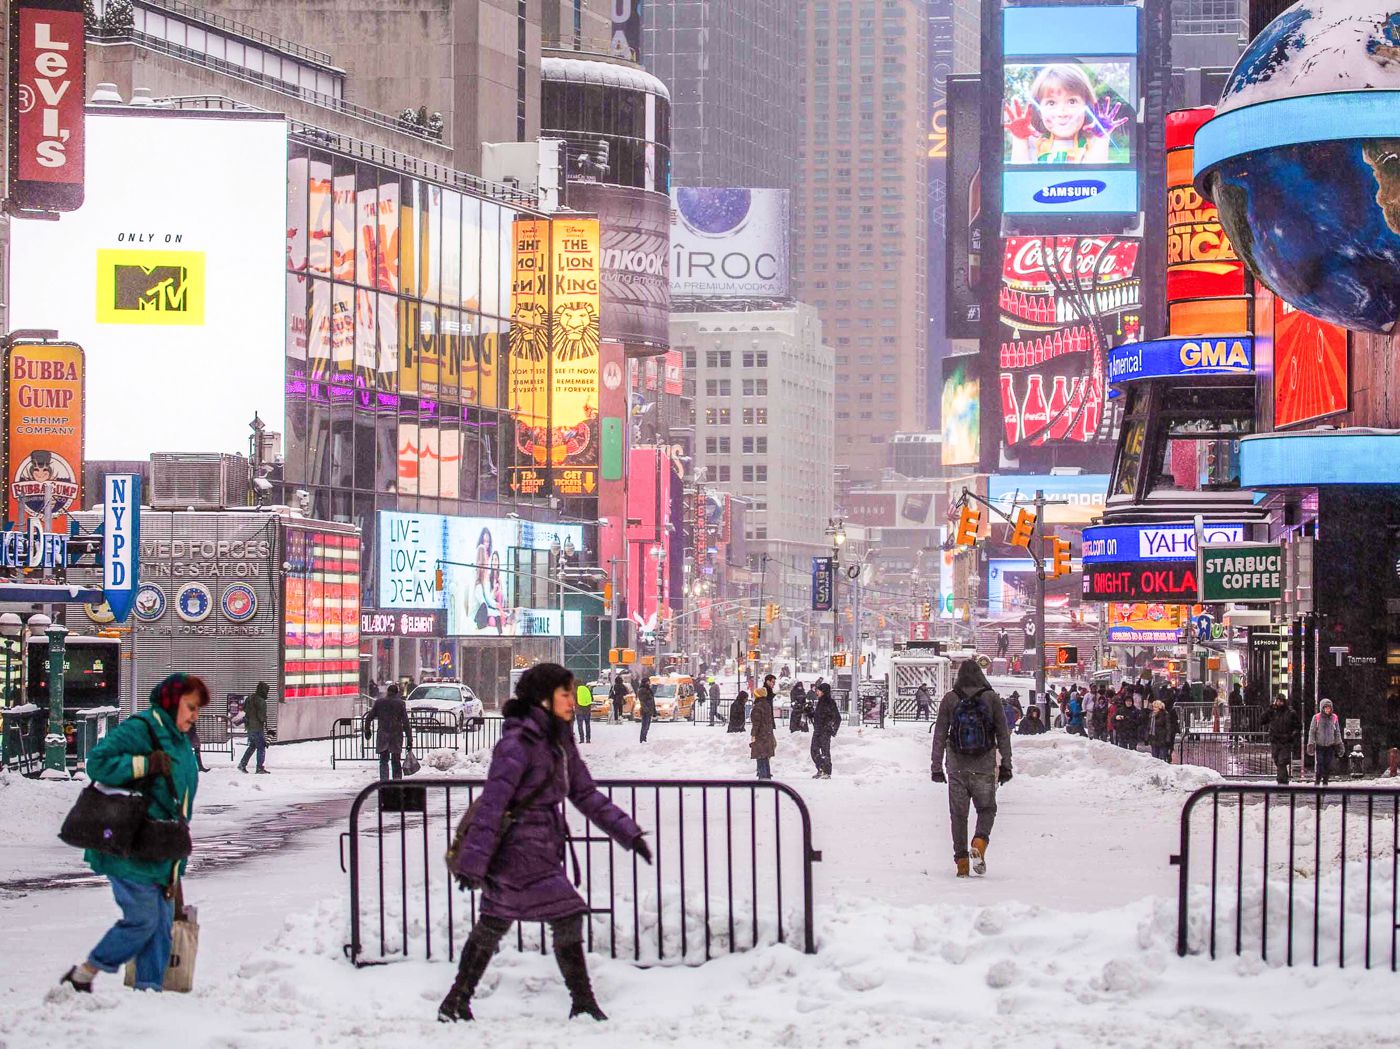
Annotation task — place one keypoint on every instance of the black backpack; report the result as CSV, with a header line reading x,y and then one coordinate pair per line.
x,y
971,731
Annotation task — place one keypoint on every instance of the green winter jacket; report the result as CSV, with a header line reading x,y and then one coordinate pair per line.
x,y
255,712
118,760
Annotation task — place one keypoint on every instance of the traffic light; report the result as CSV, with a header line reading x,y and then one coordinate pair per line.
x,y
1059,557
839,659
437,579
927,611
753,635
770,612
969,521
1023,529
1066,655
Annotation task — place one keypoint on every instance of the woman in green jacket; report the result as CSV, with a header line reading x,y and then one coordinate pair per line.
x,y
151,744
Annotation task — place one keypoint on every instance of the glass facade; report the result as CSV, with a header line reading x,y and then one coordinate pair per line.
x,y
398,294
635,125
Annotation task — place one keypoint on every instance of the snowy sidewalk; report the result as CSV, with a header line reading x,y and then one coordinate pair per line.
x,y
1068,942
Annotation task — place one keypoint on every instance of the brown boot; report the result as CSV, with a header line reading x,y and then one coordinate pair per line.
x,y
961,861
1394,769
979,855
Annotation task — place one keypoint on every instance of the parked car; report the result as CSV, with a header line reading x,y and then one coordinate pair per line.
x,y
675,697
449,697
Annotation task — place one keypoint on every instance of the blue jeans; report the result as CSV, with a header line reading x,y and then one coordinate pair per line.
x,y
257,741
142,933
585,724
764,772
388,758
646,726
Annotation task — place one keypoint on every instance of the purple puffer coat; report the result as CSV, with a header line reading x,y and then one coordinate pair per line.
x,y
524,871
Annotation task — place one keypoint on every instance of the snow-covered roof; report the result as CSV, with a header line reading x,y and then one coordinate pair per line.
x,y
609,74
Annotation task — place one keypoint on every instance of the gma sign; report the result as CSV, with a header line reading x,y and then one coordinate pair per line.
x,y
1225,355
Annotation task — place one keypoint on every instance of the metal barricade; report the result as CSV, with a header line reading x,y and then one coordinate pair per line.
x,y
1235,755
431,731
1290,873
732,870
215,734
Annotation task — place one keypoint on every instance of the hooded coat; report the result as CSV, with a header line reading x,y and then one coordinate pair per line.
x,y
523,868
736,713
826,718
255,710
763,741
392,726
796,716
971,682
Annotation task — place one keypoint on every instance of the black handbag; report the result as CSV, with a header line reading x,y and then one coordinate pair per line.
x,y
104,820
162,840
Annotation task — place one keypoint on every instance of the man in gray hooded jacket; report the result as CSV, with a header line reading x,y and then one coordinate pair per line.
x,y
968,736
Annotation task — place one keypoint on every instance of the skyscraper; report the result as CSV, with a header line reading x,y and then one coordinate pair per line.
x,y
861,225
735,74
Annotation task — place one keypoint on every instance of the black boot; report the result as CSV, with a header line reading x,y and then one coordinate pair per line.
x,y
575,969
458,1003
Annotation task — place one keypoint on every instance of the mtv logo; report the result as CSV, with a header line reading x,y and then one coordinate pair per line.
x,y
163,288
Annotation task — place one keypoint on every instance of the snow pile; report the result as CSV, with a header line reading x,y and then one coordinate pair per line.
x,y
33,812
1103,770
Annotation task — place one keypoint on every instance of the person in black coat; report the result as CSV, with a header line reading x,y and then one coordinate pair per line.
x,y
1285,729
394,732
646,705
1125,723
1031,723
736,712
797,716
826,721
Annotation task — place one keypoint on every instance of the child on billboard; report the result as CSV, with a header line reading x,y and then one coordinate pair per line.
x,y
1064,121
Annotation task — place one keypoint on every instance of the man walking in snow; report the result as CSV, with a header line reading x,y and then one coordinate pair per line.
x,y
968,736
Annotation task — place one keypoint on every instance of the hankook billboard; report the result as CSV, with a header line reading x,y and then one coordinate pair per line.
x,y
729,243
635,226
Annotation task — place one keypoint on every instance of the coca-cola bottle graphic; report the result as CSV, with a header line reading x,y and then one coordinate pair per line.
x,y
1093,407
1059,415
1009,412
1033,410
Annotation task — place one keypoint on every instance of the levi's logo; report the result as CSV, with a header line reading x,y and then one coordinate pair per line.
x,y
1070,192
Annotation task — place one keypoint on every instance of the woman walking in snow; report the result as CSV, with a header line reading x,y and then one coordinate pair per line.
x,y
513,849
736,712
1324,743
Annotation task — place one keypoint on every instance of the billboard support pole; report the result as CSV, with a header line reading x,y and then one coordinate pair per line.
x,y
1040,605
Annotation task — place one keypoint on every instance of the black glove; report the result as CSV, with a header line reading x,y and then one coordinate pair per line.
x,y
158,763
937,776
642,849
465,882
1004,776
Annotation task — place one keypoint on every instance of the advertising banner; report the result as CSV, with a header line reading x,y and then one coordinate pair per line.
x,y
44,427
1242,572
554,349
627,29
121,542
1060,298
729,243
1171,358
1070,109
1311,367
1201,261
635,227
1172,582
1085,493
1145,624
908,509
962,411
182,281
1157,542
321,643
47,95
823,590
964,207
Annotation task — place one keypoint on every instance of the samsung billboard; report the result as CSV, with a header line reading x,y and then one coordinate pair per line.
x,y
729,243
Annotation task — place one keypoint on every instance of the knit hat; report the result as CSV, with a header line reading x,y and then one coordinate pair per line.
x,y
167,694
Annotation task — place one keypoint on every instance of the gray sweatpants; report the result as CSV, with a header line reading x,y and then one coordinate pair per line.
x,y
971,788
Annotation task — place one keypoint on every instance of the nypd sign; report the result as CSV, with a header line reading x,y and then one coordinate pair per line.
x,y
1173,358
121,542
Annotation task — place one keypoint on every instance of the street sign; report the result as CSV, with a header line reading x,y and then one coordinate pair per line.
x,y
1242,572
822,591
121,542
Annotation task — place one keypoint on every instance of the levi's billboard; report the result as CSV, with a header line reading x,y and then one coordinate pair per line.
x,y
47,57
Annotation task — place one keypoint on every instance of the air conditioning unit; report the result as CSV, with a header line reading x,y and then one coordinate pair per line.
x,y
201,482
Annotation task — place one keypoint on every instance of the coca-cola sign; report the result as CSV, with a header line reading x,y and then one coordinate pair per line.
x,y
1109,259
47,55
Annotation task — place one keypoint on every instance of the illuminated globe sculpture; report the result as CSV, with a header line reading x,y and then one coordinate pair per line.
x,y
1303,160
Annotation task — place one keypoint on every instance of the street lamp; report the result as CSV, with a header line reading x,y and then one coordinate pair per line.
x,y
836,531
56,742
11,626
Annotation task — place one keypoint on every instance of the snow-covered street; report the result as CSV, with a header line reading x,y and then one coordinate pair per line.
x,y
1068,941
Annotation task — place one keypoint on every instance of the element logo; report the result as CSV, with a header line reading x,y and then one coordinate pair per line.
x,y
1070,192
240,604
150,287
44,484
150,603
194,603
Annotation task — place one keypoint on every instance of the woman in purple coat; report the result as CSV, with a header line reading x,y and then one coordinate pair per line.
x,y
514,846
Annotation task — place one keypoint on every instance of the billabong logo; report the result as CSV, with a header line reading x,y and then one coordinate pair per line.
x,y
150,287
1070,192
